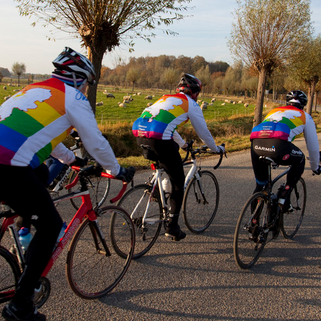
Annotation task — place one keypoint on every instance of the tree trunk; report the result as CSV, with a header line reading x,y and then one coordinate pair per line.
x,y
260,97
310,97
316,101
96,57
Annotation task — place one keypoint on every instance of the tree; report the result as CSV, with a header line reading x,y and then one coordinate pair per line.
x,y
266,34
133,76
1,76
102,24
277,81
18,69
306,67
170,77
204,75
218,84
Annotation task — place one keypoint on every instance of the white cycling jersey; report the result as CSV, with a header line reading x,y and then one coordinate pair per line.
x,y
39,117
161,120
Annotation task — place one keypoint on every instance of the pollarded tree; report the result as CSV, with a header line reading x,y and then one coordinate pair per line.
x,y
204,75
103,24
266,34
133,76
306,67
218,84
277,81
18,69
169,78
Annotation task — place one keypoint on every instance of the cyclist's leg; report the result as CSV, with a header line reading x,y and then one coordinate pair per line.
x,y
54,168
260,168
42,172
170,160
167,152
47,223
289,154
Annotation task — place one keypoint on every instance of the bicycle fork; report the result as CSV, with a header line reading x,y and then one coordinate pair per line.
x,y
97,233
17,246
199,198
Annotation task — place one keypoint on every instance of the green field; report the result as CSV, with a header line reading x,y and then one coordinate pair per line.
x,y
229,122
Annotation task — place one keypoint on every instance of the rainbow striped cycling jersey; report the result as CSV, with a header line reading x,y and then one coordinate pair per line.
x,y
160,120
284,123
32,123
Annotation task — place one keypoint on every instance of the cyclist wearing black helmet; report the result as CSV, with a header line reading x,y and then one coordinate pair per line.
x,y
273,138
156,128
33,123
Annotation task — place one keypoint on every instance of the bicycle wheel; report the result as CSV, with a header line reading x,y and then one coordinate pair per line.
x,y
200,202
98,188
249,236
92,269
10,274
291,221
134,201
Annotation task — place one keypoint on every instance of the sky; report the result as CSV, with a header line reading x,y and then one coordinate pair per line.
x,y
203,33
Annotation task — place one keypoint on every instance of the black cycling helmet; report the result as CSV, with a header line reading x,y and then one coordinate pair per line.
x,y
297,98
73,65
189,85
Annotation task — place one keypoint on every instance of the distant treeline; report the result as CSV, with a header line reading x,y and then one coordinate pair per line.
x,y
160,72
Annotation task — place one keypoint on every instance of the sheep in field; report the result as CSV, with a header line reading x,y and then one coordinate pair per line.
x,y
109,95
204,105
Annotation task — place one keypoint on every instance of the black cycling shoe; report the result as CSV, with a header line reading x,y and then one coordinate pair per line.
x,y
12,312
175,233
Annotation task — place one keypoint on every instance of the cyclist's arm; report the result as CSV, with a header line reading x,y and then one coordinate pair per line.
x,y
83,119
62,153
178,139
197,119
311,139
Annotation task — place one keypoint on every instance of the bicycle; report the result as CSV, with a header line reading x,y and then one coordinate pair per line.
x,y
93,269
261,215
148,208
98,185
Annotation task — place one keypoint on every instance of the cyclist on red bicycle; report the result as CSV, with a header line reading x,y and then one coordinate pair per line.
x,y
33,123
156,128
273,138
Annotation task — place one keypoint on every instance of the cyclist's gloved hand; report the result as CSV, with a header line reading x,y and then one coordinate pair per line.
x,y
126,174
74,134
185,147
221,149
79,162
317,171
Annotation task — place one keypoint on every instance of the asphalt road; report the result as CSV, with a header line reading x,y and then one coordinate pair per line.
x,y
197,278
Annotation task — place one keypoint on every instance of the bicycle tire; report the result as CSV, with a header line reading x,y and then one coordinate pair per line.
x,y
91,272
291,222
247,251
145,236
199,213
98,187
10,274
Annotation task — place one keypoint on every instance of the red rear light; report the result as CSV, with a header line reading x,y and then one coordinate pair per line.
x,y
152,166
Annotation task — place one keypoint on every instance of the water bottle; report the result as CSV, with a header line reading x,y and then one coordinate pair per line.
x,y
62,232
166,184
25,237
